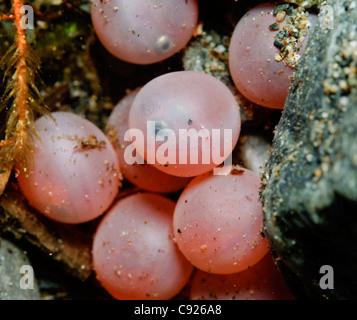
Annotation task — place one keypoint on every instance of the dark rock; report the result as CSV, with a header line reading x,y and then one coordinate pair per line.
x,y
70,245
309,190
12,259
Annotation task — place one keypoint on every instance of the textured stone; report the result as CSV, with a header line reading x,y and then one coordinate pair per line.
x,y
309,190
12,259
67,244
308,3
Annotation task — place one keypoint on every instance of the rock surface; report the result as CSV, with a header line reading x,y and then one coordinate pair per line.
x,y
12,259
309,190
308,3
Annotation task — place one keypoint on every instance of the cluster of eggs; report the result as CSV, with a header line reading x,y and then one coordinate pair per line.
x,y
147,245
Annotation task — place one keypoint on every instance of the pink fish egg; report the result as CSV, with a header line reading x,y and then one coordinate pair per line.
x,y
218,222
141,174
74,177
144,31
134,254
260,282
185,123
260,69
